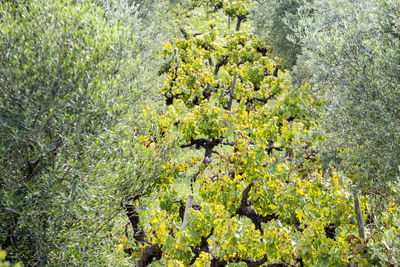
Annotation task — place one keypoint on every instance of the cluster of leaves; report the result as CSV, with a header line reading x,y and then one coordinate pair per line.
x,y
238,10
202,67
261,195
4,263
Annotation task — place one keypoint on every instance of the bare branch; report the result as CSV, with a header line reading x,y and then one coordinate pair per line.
x,y
245,210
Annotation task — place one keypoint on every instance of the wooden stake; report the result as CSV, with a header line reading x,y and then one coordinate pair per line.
x,y
229,17
177,58
189,204
232,93
360,224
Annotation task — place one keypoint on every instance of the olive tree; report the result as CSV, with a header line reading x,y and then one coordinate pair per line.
x,y
71,73
273,21
350,55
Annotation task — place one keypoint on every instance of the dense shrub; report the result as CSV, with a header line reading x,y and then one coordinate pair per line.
x,y
273,21
71,74
350,55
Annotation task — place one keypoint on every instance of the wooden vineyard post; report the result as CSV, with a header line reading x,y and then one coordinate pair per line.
x,y
232,92
357,207
189,204
229,17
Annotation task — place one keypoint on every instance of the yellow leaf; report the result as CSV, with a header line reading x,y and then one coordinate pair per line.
x,y
300,191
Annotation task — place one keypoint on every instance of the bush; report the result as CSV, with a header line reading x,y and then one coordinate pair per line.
x,y
273,21
71,72
350,55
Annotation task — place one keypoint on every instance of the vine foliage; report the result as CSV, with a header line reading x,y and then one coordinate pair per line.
x,y
248,149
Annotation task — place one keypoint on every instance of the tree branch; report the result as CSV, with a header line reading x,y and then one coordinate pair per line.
x,y
149,255
245,210
263,100
221,63
239,21
207,144
203,247
133,216
271,147
185,34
